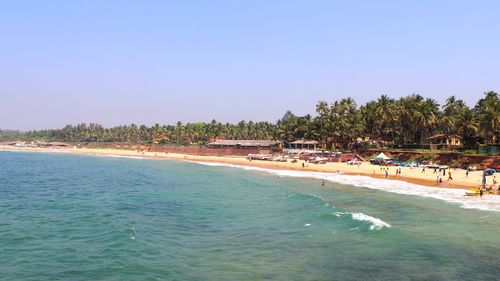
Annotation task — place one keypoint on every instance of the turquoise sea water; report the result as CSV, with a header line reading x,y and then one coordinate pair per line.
x,y
68,217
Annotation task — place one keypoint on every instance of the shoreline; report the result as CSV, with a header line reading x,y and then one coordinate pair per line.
x,y
410,175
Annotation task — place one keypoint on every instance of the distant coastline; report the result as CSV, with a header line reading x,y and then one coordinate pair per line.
x,y
412,175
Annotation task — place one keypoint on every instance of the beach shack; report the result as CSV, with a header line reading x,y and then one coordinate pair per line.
x,y
304,144
56,144
441,141
249,145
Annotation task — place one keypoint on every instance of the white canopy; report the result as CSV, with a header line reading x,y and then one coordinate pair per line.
x,y
382,156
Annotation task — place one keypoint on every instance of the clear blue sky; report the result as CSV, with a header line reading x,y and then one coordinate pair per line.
x,y
118,62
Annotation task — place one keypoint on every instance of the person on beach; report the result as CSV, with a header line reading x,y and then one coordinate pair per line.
x,y
437,180
435,171
423,170
303,165
400,171
484,181
449,176
444,172
467,173
494,180
386,174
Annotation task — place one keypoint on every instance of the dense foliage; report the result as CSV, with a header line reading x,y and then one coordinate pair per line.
x,y
409,120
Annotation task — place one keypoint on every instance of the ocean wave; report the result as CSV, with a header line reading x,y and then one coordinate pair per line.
x,y
120,156
376,223
452,195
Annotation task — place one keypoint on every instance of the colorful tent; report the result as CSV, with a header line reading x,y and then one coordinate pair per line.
x,y
381,156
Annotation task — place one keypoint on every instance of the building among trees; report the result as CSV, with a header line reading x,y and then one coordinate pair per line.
x,y
268,144
440,141
304,144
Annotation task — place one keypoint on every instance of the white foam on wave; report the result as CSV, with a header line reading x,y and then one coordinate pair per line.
x,y
120,156
376,223
453,195
339,214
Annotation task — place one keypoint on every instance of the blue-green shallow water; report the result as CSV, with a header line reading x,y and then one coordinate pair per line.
x,y
93,218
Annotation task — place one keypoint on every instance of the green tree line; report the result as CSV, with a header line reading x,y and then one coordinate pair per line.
x,y
409,120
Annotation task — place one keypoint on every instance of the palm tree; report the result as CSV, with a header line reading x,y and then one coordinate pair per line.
x,y
385,114
323,122
487,110
468,128
452,110
346,121
408,109
428,118
410,119
367,113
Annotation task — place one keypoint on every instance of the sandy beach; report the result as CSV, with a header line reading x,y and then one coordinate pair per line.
x,y
408,174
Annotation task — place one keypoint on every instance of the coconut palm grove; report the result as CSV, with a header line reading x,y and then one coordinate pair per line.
x,y
407,122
